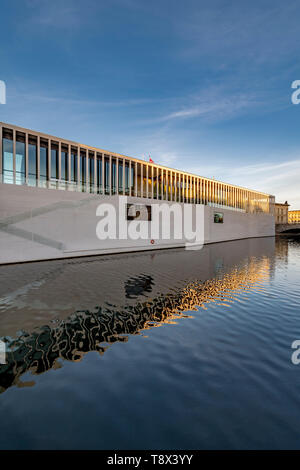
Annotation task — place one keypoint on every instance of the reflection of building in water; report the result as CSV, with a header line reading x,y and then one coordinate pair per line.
x,y
282,250
84,331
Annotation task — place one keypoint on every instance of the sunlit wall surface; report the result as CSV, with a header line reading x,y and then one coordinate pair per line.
x,y
294,217
36,159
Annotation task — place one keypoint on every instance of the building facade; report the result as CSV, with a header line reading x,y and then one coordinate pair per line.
x,y
294,217
281,212
53,192
40,160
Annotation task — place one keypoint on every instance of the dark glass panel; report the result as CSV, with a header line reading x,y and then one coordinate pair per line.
x,y
20,162
43,163
7,161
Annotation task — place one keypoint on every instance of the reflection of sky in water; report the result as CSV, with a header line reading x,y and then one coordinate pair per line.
x,y
227,316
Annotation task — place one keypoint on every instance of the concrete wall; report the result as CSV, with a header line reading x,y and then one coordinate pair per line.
x,y
39,224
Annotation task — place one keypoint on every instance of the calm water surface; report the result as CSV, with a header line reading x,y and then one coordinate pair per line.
x,y
173,349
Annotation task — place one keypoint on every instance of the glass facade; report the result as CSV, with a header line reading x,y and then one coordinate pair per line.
x,y
83,171
64,165
20,162
91,172
127,178
32,164
106,175
114,174
44,163
120,177
54,164
7,161
113,177
73,167
99,175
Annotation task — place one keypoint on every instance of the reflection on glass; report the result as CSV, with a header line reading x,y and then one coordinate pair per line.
x,y
73,169
91,173
113,176
43,163
64,165
106,175
7,161
82,171
99,175
54,163
127,178
20,162
120,176
32,164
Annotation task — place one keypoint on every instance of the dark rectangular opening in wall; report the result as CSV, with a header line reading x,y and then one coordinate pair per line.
x,y
218,217
138,212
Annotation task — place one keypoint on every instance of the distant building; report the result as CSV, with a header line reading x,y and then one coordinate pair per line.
x,y
281,212
294,217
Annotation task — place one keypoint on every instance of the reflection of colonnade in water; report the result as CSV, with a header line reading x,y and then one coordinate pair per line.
x,y
85,331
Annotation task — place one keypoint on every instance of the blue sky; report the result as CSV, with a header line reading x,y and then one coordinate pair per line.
x,y
203,86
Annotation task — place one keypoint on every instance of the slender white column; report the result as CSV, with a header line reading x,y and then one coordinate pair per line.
x,y
49,159
87,173
38,149
117,175
147,180
59,160
194,190
26,157
123,177
175,186
130,178
166,189
103,170
110,173
95,172
1,149
152,182
78,167
69,163
136,180
14,156
142,182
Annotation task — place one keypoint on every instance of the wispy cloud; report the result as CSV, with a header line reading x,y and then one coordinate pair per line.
x,y
215,108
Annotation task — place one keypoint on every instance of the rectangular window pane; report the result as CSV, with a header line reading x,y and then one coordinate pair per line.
x,y
106,176
99,175
64,166
113,176
127,178
73,167
7,161
32,164
91,172
132,178
20,162
54,163
120,176
43,163
83,171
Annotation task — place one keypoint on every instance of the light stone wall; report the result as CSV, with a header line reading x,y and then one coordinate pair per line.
x,y
40,224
